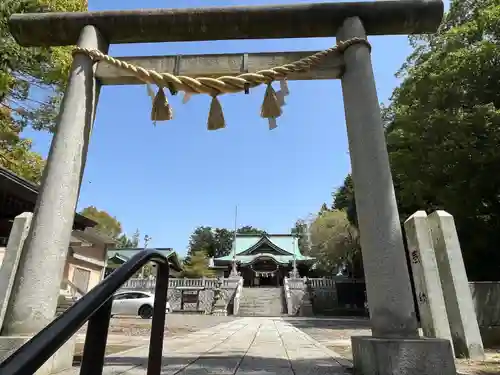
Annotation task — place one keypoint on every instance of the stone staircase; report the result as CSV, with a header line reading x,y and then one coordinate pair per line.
x,y
64,303
261,302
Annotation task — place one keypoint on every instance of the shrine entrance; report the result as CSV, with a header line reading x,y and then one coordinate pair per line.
x,y
266,272
395,340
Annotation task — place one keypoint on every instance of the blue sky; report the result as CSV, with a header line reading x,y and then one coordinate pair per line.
x,y
169,179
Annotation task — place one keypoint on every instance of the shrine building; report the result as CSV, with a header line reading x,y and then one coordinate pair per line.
x,y
264,260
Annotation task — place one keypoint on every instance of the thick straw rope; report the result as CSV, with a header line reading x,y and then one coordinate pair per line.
x,y
224,84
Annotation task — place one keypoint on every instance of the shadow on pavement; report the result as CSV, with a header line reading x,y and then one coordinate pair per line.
x,y
334,323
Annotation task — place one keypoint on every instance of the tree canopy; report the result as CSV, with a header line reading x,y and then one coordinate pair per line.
x,y
31,85
129,242
334,241
106,224
216,242
111,226
443,130
197,266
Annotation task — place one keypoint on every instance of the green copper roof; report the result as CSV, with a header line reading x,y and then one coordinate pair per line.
x,y
116,257
249,247
127,253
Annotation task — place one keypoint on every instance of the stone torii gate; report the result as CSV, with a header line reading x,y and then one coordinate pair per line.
x,y
395,346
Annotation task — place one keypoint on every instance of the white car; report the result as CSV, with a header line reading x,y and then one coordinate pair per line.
x,y
134,303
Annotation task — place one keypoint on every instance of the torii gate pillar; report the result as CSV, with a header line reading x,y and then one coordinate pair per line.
x,y
35,292
395,346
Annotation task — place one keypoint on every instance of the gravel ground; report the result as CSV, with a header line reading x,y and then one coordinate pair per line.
x,y
335,333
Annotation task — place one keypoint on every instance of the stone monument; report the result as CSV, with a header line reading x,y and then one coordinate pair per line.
x,y
218,302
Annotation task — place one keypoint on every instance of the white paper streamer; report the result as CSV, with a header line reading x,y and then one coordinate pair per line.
x,y
281,98
186,97
272,123
284,87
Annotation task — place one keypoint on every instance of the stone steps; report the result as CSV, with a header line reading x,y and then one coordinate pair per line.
x,y
261,302
63,304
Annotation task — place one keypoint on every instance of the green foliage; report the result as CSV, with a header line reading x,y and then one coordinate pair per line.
x,y
443,130
15,152
248,229
31,83
25,70
216,242
301,231
343,199
128,242
106,224
197,266
334,240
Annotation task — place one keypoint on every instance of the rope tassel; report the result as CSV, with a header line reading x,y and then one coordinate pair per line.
x,y
271,107
161,111
215,116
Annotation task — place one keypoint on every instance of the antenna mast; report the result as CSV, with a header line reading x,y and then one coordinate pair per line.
x,y
234,270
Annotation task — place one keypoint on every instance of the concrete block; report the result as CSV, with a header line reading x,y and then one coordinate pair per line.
x,y
391,356
457,295
60,361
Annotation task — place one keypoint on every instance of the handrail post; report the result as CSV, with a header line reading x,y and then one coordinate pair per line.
x,y
158,323
96,338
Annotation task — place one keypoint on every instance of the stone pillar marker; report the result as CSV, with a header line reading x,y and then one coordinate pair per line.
x,y
457,295
36,288
395,347
10,263
428,288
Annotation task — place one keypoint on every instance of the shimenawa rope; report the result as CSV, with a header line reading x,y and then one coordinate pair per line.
x,y
271,107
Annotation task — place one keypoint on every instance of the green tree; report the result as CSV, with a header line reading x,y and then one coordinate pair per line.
x,y
197,266
334,241
128,242
31,83
26,73
106,224
443,130
223,241
248,229
343,199
216,242
202,239
15,151
301,231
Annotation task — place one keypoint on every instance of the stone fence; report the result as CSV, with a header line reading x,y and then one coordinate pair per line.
x,y
192,295
486,298
340,296
328,296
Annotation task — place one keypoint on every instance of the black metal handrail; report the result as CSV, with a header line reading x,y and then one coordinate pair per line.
x,y
95,307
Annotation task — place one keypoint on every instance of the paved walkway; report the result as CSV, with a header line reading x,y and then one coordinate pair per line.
x,y
256,346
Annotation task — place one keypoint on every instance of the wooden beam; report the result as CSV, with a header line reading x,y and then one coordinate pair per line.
x,y
383,17
218,65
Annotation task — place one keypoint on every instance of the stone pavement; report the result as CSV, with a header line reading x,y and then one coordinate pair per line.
x,y
257,346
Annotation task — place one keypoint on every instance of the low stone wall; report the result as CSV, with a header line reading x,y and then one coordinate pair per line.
x,y
206,294
486,298
324,296
328,296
